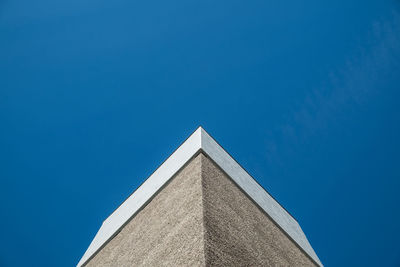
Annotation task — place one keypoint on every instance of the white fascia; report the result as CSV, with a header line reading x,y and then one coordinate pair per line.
x,y
200,140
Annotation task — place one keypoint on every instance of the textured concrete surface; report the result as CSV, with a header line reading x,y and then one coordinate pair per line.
x,y
198,141
201,218
168,231
144,193
263,199
237,232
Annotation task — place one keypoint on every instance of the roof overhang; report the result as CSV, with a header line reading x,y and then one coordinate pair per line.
x,y
198,141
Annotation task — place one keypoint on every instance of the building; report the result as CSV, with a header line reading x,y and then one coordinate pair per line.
x,y
200,208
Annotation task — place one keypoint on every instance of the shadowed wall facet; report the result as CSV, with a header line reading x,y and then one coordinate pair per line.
x,y
237,232
201,218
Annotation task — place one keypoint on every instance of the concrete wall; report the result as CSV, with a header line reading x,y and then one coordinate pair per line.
x,y
237,232
168,231
200,218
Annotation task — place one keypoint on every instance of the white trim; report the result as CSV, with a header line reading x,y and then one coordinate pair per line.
x,y
257,193
199,140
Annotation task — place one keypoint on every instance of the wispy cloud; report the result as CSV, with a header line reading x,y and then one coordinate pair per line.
x,y
350,88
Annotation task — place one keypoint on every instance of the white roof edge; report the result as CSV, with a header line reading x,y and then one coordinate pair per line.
x,y
257,193
199,140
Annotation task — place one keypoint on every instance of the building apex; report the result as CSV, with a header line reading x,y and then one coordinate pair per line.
x,y
198,141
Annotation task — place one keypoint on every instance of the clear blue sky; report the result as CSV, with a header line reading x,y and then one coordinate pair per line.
x,y
94,95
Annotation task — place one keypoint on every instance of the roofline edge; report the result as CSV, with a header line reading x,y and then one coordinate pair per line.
x,y
198,141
